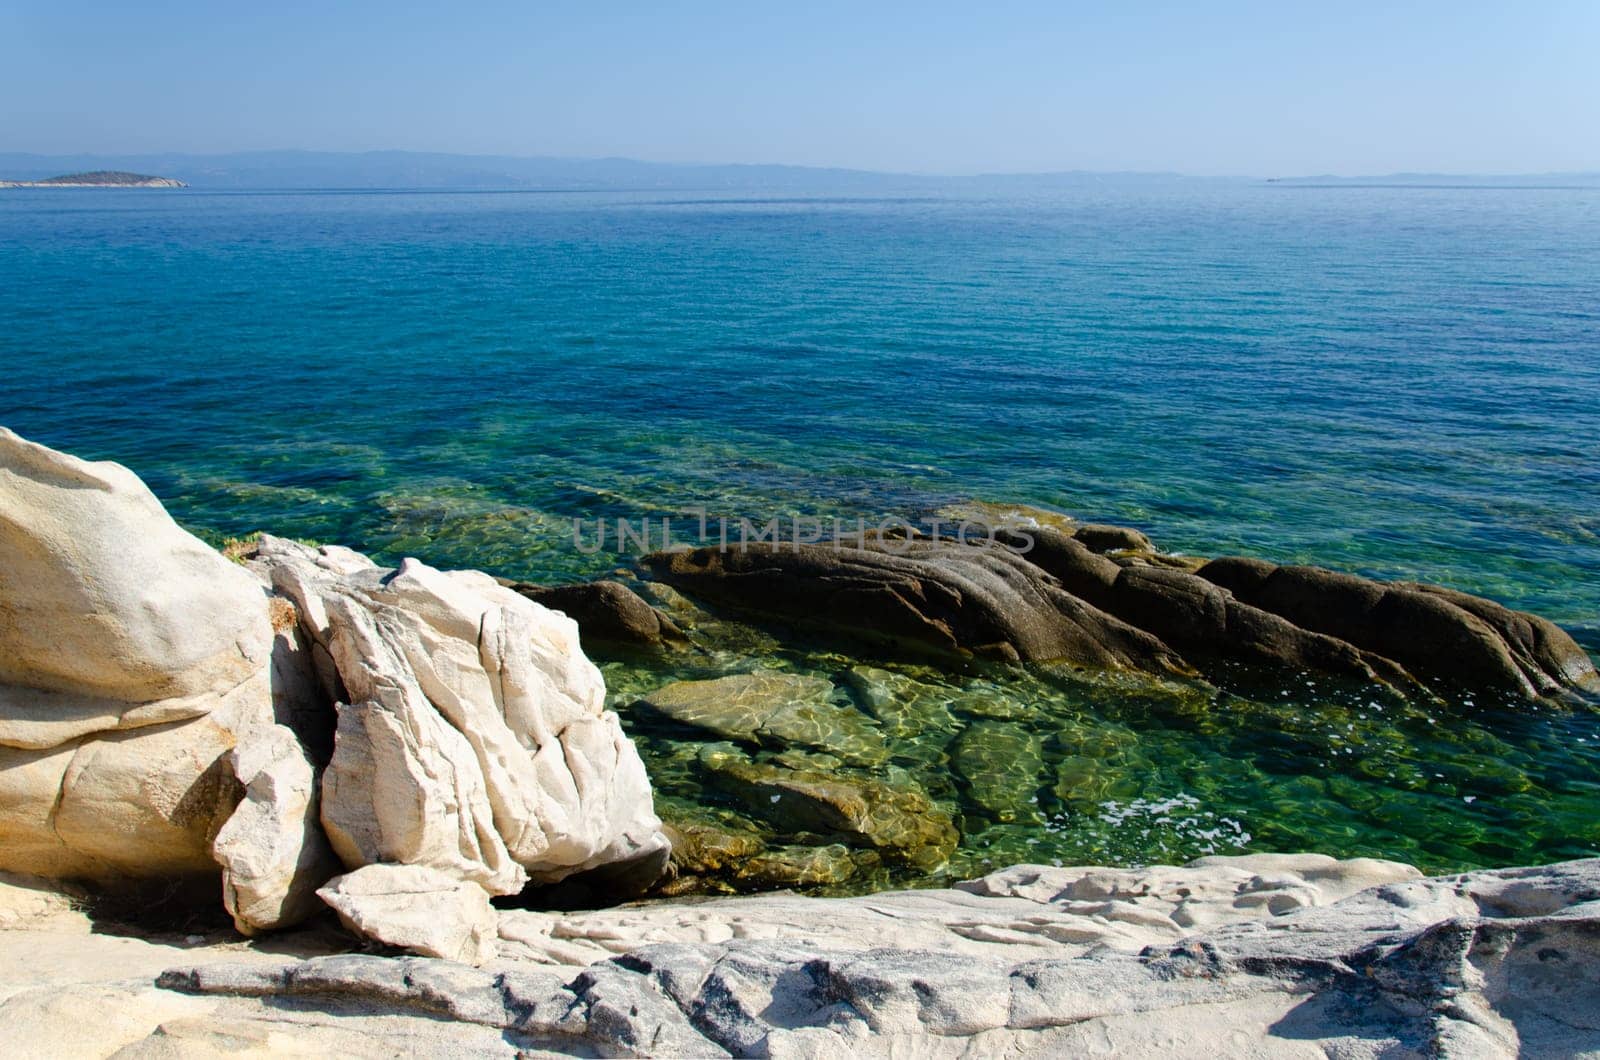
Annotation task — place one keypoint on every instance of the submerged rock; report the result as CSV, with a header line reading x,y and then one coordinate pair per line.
x,y
797,866
1001,767
909,711
1100,597
990,701
707,856
705,849
772,709
979,515
929,596
901,823
1098,764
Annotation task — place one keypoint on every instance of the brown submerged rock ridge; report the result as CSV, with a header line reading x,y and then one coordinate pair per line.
x,y
933,596
1101,597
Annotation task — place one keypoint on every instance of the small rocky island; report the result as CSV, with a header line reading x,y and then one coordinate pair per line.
x,y
374,775
100,178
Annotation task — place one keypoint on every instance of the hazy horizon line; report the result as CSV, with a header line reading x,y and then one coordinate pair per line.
x,y
818,168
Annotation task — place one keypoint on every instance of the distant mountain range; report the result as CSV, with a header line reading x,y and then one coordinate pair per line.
x,y
1449,180
416,169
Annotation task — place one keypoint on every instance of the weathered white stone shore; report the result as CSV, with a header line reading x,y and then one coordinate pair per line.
x,y
1262,956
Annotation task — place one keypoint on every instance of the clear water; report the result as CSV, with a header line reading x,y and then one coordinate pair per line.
x,y
1399,382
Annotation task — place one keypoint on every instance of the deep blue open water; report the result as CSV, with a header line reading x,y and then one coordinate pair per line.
x,y
1403,382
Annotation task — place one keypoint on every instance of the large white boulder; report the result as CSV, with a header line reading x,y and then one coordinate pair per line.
x,y
473,738
105,596
132,657
140,676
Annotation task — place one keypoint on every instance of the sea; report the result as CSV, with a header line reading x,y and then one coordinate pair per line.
x,y
1399,381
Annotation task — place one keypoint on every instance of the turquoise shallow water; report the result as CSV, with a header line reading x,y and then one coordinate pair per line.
x,y
1400,382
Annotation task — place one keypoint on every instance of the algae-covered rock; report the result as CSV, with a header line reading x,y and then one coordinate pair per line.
x,y
771,709
1096,763
989,702
703,848
983,514
1001,766
798,866
900,822
716,852
908,709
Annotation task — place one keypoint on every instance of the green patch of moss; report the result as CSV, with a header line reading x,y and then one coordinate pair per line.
x,y
239,549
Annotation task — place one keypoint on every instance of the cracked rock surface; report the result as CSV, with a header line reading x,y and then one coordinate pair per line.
x,y
1268,955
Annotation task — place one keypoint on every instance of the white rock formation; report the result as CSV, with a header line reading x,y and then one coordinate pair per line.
x,y
132,657
472,737
105,596
142,677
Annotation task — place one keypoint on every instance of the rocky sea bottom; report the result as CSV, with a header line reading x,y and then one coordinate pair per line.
x,y
1051,766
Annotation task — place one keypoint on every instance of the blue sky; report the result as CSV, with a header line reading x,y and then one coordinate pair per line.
x,y
1251,88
